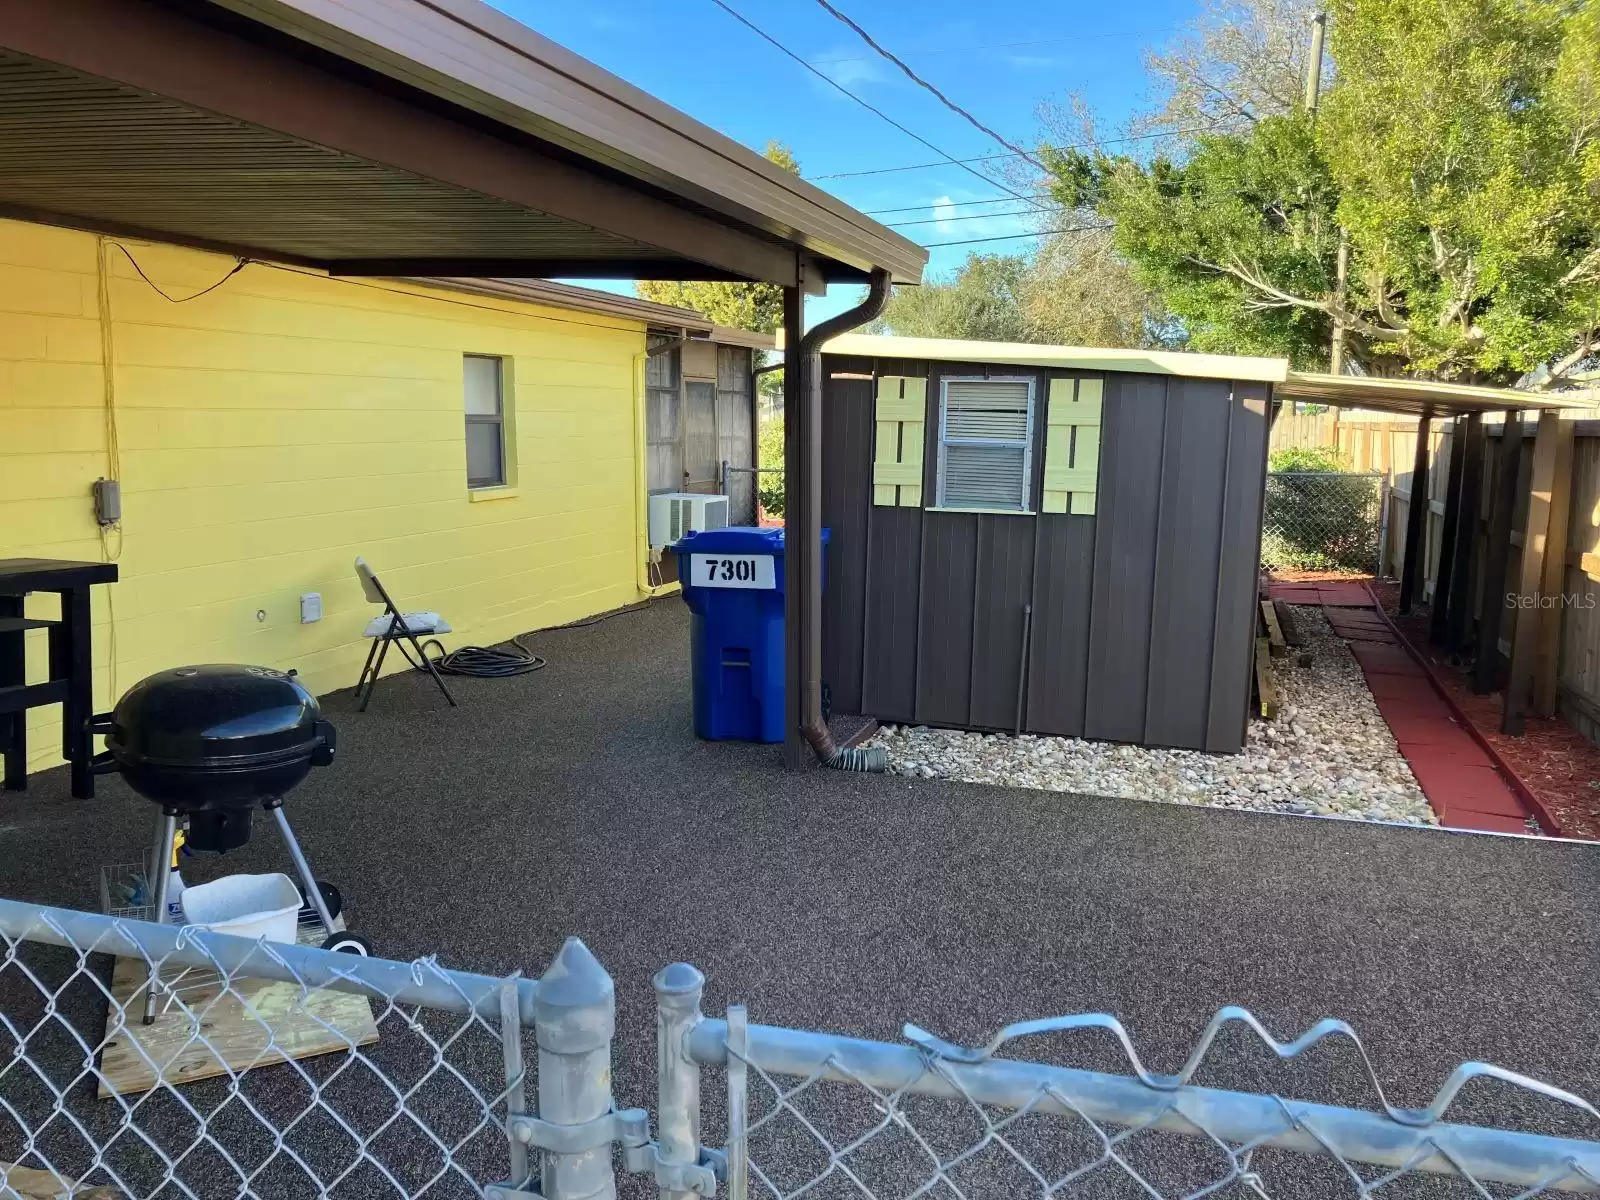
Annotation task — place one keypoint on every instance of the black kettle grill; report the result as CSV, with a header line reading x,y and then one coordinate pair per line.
x,y
210,743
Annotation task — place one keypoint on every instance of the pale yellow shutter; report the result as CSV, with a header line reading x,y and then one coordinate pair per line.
x,y
1072,446
901,412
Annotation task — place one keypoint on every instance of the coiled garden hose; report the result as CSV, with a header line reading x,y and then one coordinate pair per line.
x,y
860,758
485,662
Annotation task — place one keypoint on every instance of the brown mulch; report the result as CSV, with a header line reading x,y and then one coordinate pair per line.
x,y
1317,577
1553,760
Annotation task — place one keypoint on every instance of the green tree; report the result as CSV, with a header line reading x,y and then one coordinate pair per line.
x,y
1076,289
1459,145
753,306
982,300
1216,236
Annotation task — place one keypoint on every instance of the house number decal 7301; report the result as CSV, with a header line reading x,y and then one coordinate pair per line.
x,y
732,571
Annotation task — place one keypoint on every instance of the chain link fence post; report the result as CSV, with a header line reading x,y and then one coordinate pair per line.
x,y
575,1017
678,1170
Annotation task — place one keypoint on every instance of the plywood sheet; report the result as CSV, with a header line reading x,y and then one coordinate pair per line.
x,y
234,1036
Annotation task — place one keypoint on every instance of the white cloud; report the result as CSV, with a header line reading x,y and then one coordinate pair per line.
x,y
845,65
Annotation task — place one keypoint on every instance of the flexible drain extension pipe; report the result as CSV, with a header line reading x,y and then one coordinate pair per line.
x,y
809,362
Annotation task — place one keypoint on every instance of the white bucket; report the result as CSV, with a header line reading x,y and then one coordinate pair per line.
x,y
250,906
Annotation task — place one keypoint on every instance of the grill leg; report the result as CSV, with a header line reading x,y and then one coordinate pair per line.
x,y
307,879
162,861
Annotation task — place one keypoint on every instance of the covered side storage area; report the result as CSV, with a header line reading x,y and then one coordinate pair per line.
x,y
1044,539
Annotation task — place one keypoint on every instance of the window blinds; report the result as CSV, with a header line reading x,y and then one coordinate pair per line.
x,y
985,443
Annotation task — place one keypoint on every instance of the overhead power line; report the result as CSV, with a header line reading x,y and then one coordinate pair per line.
x,y
1010,237
1082,37
1027,212
926,86
873,212
833,83
1138,137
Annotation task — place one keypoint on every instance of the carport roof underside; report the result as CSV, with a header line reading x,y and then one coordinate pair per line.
x,y
393,137
1407,396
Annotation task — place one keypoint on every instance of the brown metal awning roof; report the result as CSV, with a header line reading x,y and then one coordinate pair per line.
x,y
1412,396
392,137
582,299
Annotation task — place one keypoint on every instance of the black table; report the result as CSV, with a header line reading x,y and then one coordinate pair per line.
x,y
71,666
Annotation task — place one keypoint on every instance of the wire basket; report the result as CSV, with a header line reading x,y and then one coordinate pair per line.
x,y
125,892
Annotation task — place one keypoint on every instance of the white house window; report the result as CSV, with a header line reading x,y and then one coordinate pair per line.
x,y
985,437
486,422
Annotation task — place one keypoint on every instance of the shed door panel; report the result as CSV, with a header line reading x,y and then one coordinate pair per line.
x,y
1127,516
1234,648
889,652
1059,646
944,644
1003,588
1188,546
847,511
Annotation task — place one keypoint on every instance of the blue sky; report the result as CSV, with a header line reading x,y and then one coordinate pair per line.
x,y
998,59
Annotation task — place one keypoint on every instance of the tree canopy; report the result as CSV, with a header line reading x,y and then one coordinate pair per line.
x,y
1075,289
754,306
1459,147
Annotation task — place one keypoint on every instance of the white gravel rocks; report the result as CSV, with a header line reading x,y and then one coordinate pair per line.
x,y
1328,753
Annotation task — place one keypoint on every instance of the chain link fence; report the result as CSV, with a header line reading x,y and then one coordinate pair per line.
x,y
439,1098
406,1094
1322,521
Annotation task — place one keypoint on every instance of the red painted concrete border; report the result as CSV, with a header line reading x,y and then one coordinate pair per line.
x,y
1546,819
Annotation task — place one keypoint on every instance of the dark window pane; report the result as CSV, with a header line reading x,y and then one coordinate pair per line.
x,y
484,464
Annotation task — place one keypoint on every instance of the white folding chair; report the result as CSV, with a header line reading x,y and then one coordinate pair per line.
x,y
394,626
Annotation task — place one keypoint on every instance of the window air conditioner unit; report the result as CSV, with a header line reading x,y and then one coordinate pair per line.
x,y
674,514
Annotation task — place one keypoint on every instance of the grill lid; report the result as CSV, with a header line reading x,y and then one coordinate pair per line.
x,y
220,716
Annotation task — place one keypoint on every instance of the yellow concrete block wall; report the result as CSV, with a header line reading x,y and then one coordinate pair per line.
x,y
272,429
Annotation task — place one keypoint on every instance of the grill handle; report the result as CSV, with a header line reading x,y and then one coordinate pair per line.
x,y
327,742
102,725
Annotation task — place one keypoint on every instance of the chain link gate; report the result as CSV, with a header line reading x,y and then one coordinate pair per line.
x,y
1322,521
443,1103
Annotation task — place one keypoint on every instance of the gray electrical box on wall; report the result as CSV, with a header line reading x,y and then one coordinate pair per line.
x,y
107,501
310,607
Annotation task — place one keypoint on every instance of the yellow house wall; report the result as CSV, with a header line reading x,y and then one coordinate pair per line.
x,y
273,429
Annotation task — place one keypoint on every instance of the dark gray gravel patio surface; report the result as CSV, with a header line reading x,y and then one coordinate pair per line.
x,y
577,801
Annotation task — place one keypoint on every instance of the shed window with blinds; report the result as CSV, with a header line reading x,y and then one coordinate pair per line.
x,y
985,443
486,423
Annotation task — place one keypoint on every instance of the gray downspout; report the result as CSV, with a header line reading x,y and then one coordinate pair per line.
x,y
808,532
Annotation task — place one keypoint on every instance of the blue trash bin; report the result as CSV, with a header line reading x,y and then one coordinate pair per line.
x,y
733,582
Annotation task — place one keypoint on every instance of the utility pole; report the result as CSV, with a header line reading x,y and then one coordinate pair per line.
x,y
1341,268
1319,30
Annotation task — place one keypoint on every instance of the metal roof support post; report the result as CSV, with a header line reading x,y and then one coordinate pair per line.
x,y
1492,606
795,757
1547,665
1468,531
1416,515
1531,577
1451,530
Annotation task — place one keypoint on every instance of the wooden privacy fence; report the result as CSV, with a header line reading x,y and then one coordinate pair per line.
x,y
1540,610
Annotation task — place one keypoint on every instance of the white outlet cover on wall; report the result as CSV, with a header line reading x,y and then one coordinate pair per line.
x,y
310,608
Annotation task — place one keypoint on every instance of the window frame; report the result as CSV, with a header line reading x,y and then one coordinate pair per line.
x,y
498,420
1026,442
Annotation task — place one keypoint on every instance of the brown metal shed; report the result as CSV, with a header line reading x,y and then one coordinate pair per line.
x,y
1108,592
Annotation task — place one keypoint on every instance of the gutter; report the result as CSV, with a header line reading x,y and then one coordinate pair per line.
x,y
808,528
